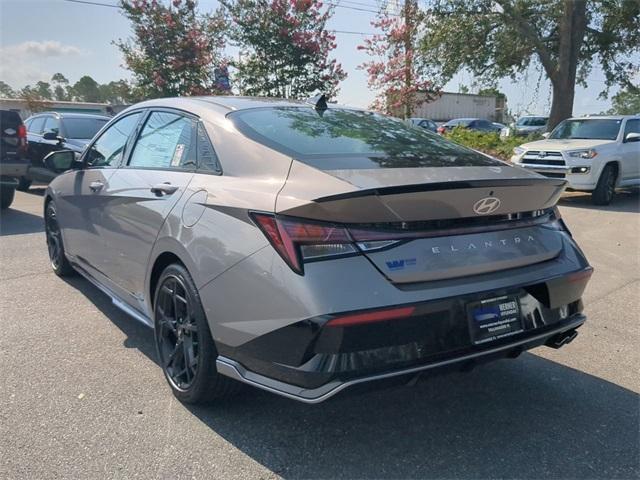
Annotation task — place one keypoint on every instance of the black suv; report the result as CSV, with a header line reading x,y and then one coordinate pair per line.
x,y
51,131
13,163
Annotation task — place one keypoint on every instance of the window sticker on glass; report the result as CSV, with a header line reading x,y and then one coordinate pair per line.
x,y
177,155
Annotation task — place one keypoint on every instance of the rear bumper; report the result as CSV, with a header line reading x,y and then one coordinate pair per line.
x,y
312,359
13,168
557,335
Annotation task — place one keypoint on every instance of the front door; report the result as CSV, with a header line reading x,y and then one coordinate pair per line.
x,y
143,193
82,208
630,152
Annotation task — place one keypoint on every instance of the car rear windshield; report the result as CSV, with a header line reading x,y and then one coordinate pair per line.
x,y
336,139
587,129
83,128
532,122
9,120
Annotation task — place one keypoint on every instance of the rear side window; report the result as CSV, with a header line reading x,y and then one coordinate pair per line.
x,y
165,142
207,158
36,125
108,149
349,139
83,128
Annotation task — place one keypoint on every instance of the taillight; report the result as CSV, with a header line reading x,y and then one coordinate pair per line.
x,y
298,240
441,130
22,137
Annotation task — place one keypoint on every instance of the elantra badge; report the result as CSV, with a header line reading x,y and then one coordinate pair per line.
x,y
486,205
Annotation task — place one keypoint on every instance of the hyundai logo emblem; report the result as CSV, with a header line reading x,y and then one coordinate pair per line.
x,y
486,205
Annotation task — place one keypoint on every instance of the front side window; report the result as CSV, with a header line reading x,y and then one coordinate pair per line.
x,y
348,139
165,142
36,125
632,126
51,124
587,129
108,149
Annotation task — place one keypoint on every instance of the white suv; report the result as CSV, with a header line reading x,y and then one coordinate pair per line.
x,y
595,154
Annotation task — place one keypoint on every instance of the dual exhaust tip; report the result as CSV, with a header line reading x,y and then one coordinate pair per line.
x,y
562,339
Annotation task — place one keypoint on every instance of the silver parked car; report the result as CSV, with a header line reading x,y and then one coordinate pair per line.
x,y
301,247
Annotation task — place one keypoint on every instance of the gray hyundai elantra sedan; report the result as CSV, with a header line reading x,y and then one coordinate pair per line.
x,y
305,247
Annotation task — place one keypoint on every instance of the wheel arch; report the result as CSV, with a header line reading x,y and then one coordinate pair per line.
x,y
162,261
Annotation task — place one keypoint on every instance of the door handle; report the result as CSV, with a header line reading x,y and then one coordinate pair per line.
x,y
96,186
164,189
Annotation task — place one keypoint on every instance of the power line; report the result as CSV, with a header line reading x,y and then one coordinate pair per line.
x,y
98,4
350,32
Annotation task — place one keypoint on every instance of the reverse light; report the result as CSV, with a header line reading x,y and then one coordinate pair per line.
x,y
587,154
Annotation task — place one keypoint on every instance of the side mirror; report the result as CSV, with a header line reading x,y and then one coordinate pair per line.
x,y
61,161
546,134
632,137
51,135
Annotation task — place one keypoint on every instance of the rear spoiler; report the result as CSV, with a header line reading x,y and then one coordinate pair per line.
x,y
439,186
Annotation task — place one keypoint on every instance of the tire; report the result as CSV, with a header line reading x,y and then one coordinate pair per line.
x,y
24,184
7,195
57,255
606,187
185,348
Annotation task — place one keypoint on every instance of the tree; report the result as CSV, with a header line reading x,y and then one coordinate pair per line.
x,y
117,92
626,102
395,72
60,87
501,38
285,48
6,91
175,49
86,90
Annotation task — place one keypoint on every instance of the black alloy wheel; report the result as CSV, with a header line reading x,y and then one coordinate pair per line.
x,y
177,333
57,257
186,351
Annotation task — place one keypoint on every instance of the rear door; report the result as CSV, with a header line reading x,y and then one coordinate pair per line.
x,y
143,192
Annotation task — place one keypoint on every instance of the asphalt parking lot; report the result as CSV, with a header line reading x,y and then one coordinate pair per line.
x,y
82,397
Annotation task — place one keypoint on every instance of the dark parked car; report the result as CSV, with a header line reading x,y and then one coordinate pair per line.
x,y
48,132
424,123
13,164
469,123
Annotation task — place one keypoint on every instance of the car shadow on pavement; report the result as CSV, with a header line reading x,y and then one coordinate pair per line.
x,y
624,201
524,418
16,222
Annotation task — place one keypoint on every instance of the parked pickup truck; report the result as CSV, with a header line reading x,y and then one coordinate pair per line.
x,y
13,162
595,154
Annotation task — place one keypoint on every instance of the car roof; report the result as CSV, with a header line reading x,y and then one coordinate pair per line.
x,y
604,117
74,115
226,103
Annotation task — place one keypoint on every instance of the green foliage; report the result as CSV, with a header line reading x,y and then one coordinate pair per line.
x,y
175,49
284,48
6,91
489,143
626,102
495,39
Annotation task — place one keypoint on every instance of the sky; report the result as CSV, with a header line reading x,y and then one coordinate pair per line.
x,y
41,37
